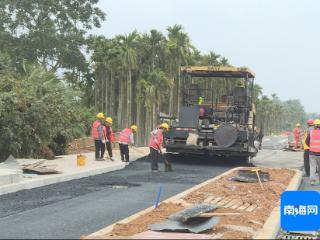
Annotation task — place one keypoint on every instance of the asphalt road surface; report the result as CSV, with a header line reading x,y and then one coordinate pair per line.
x,y
83,206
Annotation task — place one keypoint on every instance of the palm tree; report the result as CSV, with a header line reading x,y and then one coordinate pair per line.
x,y
127,45
180,48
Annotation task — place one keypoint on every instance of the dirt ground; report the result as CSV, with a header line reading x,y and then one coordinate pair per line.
x,y
242,226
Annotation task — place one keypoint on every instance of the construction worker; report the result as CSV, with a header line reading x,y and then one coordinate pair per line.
x,y
126,139
109,137
200,100
306,149
296,135
313,141
155,145
98,133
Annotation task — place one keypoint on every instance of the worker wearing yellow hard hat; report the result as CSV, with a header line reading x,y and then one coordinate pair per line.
x,y
125,139
155,145
313,141
98,133
109,137
134,128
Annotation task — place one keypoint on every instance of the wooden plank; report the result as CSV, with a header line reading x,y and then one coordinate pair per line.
x,y
251,208
218,214
234,201
208,199
243,207
216,200
235,206
224,202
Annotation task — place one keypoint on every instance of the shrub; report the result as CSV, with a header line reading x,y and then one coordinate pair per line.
x,y
37,110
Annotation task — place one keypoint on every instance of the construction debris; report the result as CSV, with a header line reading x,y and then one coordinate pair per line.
x,y
194,211
194,225
251,176
189,219
38,168
12,164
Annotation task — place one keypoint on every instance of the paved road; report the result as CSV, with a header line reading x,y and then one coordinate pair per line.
x,y
83,206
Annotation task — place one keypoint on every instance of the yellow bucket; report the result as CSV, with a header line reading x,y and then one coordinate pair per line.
x,y
81,160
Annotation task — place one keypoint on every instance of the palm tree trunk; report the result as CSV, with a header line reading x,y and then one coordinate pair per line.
x,y
179,91
111,95
129,97
120,104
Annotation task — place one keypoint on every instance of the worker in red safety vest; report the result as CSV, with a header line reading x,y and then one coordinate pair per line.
x,y
126,139
297,136
109,137
155,145
98,133
313,141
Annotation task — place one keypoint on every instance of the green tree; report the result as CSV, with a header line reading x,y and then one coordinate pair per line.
x,y
50,32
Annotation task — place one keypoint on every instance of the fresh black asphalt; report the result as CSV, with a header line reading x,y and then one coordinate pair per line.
x,y
80,207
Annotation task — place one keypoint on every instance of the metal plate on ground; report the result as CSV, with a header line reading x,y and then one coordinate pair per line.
x,y
194,225
193,211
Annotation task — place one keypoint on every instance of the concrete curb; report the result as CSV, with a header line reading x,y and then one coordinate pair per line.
x,y
52,179
271,227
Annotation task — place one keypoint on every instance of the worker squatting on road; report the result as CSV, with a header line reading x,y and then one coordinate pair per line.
x,y
126,139
306,148
109,137
313,141
297,136
155,145
98,134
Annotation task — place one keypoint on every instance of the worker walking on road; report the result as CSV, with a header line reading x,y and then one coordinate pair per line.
x,y
126,139
313,141
296,135
155,145
98,133
306,148
109,137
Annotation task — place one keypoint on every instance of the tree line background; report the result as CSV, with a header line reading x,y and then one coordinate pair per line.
x,y
55,76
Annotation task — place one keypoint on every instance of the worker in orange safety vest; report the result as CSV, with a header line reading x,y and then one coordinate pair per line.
x,y
155,145
126,139
98,133
313,141
306,148
297,136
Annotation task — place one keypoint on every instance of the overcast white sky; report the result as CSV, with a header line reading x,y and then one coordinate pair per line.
x,y
278,39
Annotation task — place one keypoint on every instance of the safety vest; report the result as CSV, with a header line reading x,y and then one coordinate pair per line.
x,y
156,139
125,136
94,130
111,135
315,140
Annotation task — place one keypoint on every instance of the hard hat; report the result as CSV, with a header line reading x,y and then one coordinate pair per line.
x,y
165,126
134,127
310,122
109,120
100,115
298,125
316,122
